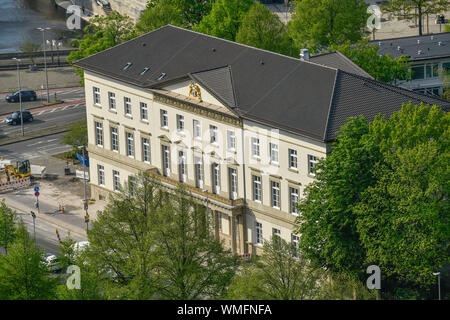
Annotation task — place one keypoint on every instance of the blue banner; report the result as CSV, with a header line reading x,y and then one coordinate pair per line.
x,y
80,158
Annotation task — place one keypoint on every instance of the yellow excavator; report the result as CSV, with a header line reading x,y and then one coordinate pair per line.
x,y
20,170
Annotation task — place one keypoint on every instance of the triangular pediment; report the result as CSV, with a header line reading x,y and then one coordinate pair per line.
x,y
163,137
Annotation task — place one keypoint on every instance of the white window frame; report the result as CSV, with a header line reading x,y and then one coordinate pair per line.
x,y
219,221
130,144
257,181
112,100
145,149
255,147
312,162
293,199
259,233
127,106
273,150
114,139
198,163
216,178
295,239
164,119
276,231
231,140
116,180
197,129
166,160
101,175
293,159
180,123
233,183
275,194
213,134
182,170
144,111
96,95
99,133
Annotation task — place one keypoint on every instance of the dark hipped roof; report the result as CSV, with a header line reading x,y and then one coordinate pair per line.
x,y
432,46
339,61
298,96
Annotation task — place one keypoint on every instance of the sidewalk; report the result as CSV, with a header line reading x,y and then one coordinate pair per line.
x,y
63,77
56,189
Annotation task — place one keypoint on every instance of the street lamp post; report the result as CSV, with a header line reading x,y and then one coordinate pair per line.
x,y
20,94
86,216
439,282
34,225
45,60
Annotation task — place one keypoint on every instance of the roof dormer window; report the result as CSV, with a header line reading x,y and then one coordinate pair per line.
x,y
161,76
127,66
144,71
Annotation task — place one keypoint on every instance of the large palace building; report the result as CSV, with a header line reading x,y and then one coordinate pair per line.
x,y
241,128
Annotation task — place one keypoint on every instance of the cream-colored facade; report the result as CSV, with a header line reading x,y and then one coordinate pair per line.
x,y
247,173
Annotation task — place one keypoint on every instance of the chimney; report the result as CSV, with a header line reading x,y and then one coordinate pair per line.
x,y
304,54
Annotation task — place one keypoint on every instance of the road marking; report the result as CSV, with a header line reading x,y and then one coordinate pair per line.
x,y
33,144
51,140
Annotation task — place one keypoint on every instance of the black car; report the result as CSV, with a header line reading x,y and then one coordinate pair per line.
x,y
15,117
27,95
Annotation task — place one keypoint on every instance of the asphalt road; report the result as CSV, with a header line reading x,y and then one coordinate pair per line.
x,y
34,148
66,94
46,117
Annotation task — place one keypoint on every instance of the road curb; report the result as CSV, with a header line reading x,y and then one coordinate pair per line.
x,y
37,134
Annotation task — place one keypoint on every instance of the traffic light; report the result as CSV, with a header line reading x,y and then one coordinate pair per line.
x,y
86,218
441,19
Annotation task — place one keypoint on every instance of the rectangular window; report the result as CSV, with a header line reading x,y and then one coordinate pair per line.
x,y
146,150
99,134
132,185
180,123
198,172
259,234
114,139
431,70
219,221
112,100
233,184
293,192
295,240
116,180
216,178
276,232
144,111
273,152
197,129
418,72
101,175
213,133
164,119
275,194
255,147
292,159
96,95
127,104
257,190
182,166
130,144
231,140
166,160
312,161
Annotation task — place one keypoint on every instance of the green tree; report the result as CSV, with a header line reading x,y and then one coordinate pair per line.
x,y
225,18
328,224
122,239
262,29
320,23
280,274
192,264
159,14
383,68
23,272
76,136
31,49
415,10
346,287
403,219
103,33
7,226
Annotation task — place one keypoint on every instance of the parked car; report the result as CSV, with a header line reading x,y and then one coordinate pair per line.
x,y
52,262
15,117
27,95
